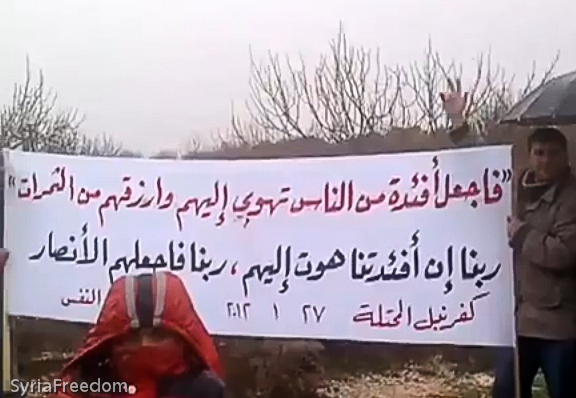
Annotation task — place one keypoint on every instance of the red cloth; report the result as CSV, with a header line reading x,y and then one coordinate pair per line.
x,y
179,316
142,366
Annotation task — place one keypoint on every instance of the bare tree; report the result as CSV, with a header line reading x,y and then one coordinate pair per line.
x,y
102,145
248,134
241,134
491,92
193,145
420,89
350,93
31,122
503,93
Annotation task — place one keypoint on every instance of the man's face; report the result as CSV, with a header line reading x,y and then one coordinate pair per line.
x,y
548,160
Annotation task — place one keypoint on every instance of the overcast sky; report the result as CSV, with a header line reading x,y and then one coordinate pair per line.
x,y
152,73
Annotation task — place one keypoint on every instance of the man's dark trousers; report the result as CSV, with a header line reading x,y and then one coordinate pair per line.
x,y
556,358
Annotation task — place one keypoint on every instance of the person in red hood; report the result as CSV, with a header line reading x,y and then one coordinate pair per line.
x,y
149,336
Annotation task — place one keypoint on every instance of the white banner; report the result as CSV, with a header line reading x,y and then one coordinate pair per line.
x,y
398,248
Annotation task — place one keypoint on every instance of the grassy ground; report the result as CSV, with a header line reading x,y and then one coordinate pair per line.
x,y
433,379
357,373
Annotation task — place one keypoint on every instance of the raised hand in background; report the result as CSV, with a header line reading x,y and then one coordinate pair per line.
x,y
455,103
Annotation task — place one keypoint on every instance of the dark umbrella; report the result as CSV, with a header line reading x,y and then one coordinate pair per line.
x,y
553,103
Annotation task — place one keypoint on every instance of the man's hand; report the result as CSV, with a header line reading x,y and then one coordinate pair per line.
x,y
455,102
513,226
4,254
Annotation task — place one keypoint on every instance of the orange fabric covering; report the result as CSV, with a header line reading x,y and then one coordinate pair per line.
x,y
179,316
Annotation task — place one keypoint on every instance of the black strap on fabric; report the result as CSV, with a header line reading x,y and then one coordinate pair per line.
x,y
145,300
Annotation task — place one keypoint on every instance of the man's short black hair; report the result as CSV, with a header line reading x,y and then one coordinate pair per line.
x,y
548,135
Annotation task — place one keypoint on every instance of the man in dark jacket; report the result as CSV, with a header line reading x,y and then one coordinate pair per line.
x,y
542,234
147,336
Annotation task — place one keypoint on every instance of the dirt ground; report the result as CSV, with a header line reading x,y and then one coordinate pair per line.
x,y
262,368
306,378
433,379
